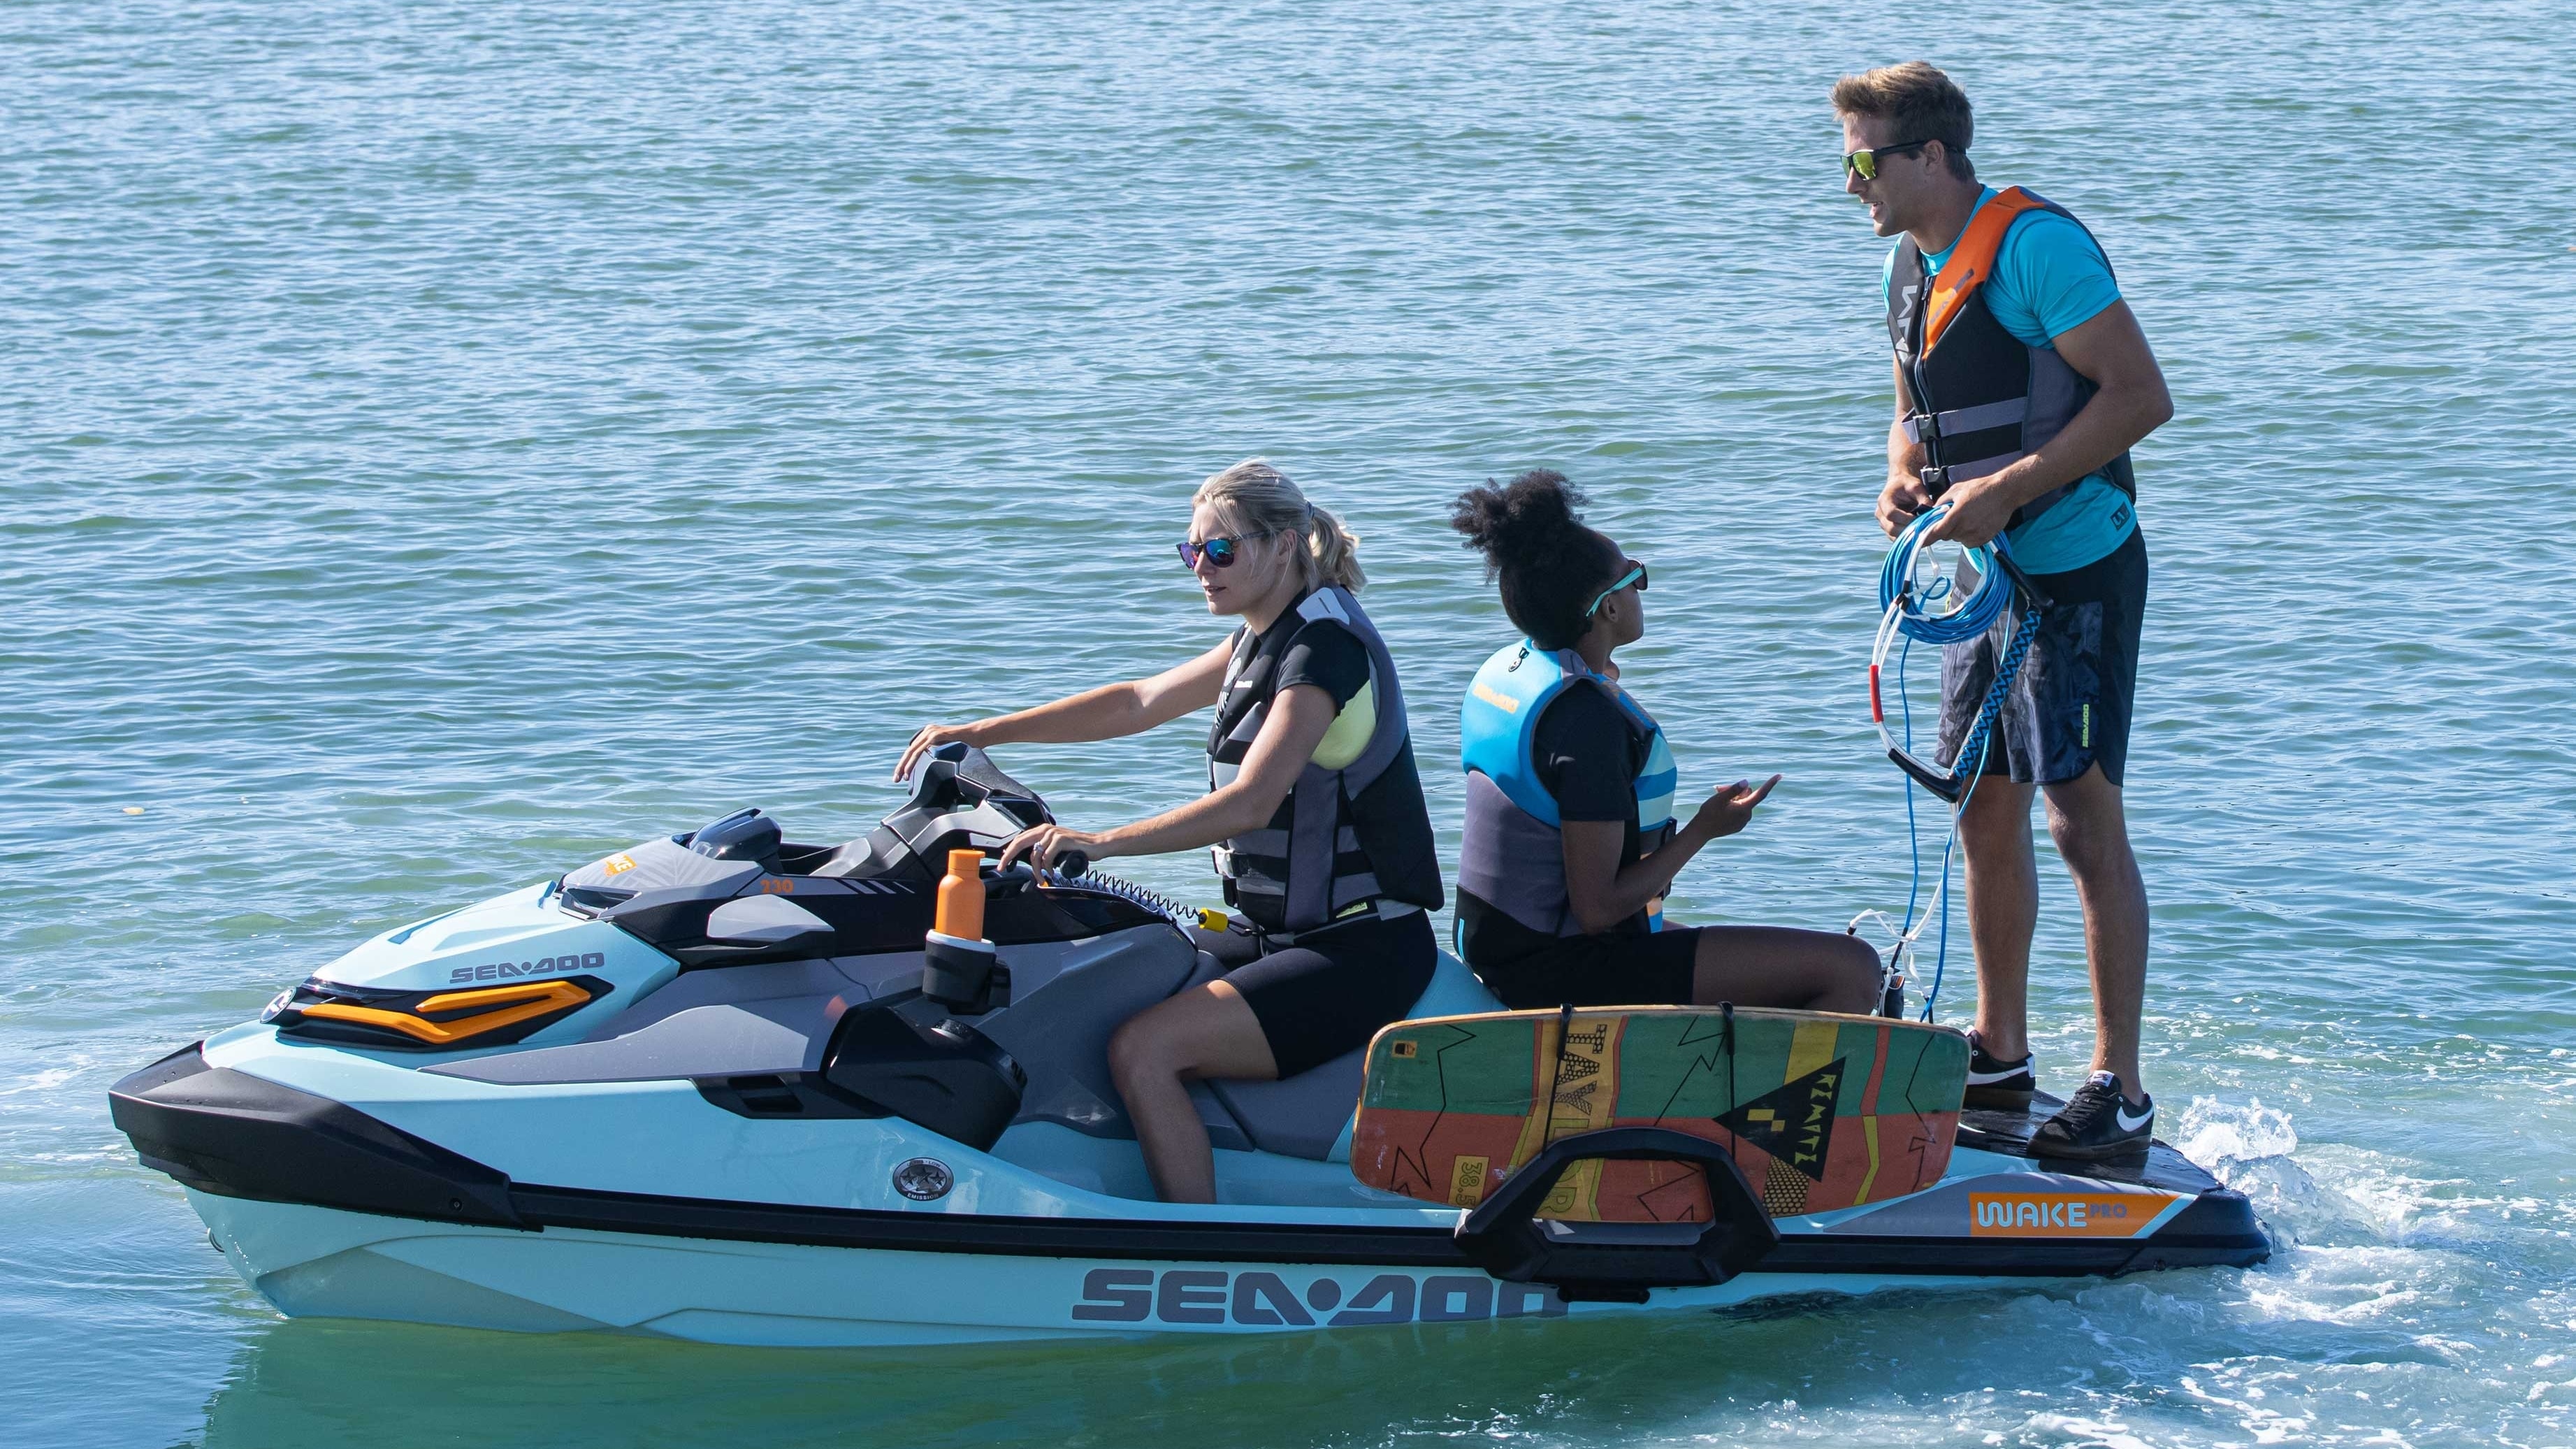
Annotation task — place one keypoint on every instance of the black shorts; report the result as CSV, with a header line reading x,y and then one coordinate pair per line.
x,y
1613,969
1329,993
2068,710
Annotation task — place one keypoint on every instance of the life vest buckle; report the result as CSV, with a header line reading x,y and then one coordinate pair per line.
x,y
1936,477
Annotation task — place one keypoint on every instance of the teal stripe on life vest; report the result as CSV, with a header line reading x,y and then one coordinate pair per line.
x,y
1656,784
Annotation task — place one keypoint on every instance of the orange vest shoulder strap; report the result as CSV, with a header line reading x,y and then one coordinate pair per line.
x,y
1972,259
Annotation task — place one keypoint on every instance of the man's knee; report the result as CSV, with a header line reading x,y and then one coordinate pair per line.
x,y
1996,817
2093,849
2089,825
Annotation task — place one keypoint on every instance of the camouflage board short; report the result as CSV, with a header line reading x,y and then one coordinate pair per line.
x,y
2069,708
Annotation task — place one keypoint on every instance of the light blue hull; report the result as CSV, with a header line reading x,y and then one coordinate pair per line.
x,y
665,1163
667,1141
321,1262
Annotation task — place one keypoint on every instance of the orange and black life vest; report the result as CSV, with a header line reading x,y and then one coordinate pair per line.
x,y
1976,397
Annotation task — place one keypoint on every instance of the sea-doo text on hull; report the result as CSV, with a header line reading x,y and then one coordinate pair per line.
x,y
705,1088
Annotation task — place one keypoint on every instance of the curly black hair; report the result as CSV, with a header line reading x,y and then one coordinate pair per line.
x,y
1551,566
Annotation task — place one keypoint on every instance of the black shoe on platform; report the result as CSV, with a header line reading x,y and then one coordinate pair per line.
x,y
2098,1123
1994,1084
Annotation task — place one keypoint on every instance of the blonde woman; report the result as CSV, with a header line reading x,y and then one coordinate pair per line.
x,y
1314,813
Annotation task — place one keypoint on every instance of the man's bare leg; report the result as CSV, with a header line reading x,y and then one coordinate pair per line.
x,y
2003,910
2087,820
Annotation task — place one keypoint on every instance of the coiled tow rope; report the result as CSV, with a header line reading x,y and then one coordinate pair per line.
x,y
1921,600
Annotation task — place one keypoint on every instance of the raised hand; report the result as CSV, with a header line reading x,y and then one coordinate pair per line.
x,y
1730,809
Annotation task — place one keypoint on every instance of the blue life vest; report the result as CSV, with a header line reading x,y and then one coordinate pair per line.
x,y
1513,853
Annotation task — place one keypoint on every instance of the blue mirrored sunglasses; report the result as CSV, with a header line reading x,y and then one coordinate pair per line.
x,y
1220,552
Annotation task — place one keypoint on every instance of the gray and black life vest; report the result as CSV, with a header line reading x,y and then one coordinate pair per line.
x,y
1354,834
1512,855
1976,397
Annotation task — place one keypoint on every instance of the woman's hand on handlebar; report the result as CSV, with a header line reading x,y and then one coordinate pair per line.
x,y
1043,845
1730,809
932,737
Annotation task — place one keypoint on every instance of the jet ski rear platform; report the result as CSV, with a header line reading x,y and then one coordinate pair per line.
x,y
696,1090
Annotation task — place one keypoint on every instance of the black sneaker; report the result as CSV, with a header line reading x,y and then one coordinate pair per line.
x,y
1994,1084
2099,1123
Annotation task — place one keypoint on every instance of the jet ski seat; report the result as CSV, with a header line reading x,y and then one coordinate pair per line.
x,y
1309,1115
1060,1035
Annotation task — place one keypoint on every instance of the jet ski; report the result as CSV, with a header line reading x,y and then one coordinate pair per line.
x,y
723,1087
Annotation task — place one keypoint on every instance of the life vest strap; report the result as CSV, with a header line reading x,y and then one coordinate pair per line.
x,y
1932,427
1381,908
1972,259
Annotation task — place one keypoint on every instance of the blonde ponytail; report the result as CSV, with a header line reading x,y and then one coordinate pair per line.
x,y
1256,499
1334,551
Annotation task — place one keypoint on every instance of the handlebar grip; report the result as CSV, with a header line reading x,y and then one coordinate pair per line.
x,y
1072,864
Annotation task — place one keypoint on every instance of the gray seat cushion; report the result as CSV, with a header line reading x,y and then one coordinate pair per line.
x,y
1305,1115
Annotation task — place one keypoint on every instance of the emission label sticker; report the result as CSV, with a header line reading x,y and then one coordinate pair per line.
x,y
2064,1214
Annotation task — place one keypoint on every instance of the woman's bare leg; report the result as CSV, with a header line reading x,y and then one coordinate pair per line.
x,y
1779,966
1207,1031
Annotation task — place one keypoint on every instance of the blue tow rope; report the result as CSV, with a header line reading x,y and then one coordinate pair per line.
x,y
1924,617
1931,607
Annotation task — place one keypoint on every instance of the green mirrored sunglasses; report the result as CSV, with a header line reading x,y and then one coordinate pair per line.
x,y
1864,162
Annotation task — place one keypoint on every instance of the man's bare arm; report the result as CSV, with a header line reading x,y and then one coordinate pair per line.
x,y
2111,352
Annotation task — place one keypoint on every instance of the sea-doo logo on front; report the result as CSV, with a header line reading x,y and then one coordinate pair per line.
x,y
564,965
1212,1296
2062,1215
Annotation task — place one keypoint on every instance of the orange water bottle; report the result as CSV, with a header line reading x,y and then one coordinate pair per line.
x,y
960,915
958,967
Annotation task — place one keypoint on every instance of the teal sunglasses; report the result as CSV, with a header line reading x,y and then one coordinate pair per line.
x,y
1636,574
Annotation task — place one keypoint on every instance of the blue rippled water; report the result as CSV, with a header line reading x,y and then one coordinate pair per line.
x,y
446,442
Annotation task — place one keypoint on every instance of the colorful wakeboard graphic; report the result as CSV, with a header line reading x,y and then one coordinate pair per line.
x,y
1820,1111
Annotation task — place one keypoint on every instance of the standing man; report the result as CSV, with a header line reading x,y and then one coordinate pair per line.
x,y
2022,381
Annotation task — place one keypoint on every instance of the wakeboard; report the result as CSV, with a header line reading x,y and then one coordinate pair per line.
x,y
1821,1111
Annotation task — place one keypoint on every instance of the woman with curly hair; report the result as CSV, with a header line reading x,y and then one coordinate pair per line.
x,y
1570,841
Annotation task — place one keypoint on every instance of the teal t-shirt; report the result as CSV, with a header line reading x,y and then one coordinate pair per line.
x,y
2051,278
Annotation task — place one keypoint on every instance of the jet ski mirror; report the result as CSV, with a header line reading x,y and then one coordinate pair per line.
x,y
763,921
